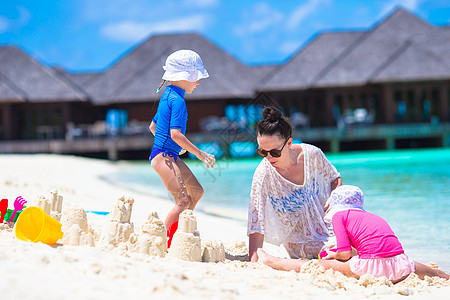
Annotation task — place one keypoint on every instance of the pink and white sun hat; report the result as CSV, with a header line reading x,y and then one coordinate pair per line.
x,y
184,65
343,198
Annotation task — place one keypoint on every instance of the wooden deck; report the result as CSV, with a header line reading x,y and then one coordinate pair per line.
x,y
333,135
111,145
388,133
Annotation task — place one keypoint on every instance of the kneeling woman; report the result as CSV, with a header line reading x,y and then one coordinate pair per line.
x,y
289,191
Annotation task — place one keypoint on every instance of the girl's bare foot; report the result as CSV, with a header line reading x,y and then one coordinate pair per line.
x,y
265,258
432,265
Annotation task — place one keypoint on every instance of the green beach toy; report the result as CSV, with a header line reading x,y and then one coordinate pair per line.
x,y
9,213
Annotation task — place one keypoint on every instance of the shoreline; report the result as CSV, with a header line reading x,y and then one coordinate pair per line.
x,y
215,210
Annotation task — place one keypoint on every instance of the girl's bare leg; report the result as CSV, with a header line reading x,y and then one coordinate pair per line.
x,y
424,270
193,187
282,264
287,264
172,177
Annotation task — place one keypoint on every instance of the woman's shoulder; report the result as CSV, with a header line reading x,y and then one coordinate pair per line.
x,y
262,168
310,148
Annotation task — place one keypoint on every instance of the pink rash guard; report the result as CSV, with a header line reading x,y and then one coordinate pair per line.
x,y
368,233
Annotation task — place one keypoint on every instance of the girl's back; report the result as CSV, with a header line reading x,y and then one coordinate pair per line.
x,y
368,233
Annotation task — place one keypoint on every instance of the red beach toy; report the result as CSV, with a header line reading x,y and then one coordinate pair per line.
x,y
3,209
173,228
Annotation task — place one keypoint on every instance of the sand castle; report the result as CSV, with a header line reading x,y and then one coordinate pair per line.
x,y
187,245
152,240
213,251
118,228
119,231
186,242
51,206
75,228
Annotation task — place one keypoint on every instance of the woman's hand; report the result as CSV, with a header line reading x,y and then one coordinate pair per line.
x,y
207,158
327,205
255,241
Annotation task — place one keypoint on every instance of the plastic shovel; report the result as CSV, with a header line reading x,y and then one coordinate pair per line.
x,y
19,203
3,209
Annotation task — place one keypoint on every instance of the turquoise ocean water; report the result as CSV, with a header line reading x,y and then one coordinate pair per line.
x,y
408,188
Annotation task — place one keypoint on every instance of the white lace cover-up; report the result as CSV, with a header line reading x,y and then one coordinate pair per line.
x,y
291,214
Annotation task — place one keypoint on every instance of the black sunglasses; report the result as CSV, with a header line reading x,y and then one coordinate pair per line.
x,y
273,152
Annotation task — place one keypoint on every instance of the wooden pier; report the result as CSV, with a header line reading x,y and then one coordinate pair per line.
x,y
109,145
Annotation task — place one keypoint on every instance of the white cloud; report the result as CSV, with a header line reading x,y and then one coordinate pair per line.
x,y
24,16
23,19
302,12
202,3
4,24
262,16
129,31
412,5
106,10
289,47
98,11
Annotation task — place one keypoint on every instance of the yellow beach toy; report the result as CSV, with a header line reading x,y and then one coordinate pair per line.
x,y
34,225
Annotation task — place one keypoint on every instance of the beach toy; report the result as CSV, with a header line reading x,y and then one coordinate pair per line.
x,y
3,209
34,225
101,213
324,253
173,228
19,203
9,212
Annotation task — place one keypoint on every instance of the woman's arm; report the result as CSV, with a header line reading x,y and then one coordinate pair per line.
x,y
255,241
184,143
337,182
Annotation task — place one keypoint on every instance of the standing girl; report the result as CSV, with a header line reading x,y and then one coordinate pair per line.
x,y
183,69
379,251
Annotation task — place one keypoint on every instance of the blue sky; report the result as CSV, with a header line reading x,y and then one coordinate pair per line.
x,y
89,35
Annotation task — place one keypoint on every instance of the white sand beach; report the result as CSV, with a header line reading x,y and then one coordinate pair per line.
x,y
39,271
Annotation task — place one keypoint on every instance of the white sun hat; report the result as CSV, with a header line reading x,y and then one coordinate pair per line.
x,y
184,65
343,198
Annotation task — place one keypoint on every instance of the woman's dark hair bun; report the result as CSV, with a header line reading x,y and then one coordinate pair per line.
x,y
272,114
274,122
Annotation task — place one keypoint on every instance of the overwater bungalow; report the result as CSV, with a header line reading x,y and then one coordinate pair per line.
x,y
384,87
398,72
